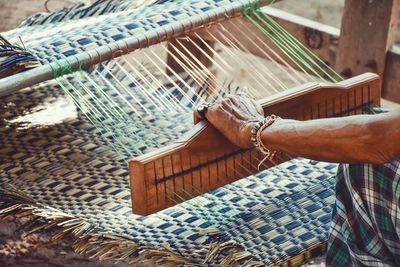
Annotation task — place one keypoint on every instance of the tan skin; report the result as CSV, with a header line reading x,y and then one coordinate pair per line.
x,y
355,139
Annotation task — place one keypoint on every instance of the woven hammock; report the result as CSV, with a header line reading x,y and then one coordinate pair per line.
x,y
56,166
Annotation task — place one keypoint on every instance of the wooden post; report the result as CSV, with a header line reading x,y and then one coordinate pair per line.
x,y
391,84
368,32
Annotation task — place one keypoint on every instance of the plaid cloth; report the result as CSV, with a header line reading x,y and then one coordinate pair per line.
x,y
365,229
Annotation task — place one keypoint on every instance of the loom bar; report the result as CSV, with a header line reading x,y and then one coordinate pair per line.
x,y
206,160
118,48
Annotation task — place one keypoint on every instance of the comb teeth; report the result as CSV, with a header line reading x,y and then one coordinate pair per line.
x,y
204,160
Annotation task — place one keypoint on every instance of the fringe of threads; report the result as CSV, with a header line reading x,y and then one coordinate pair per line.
x,y
88,239
304,256
97,244
14,59
233,254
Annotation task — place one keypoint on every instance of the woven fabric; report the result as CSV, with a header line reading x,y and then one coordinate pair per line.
x,y
365,227
65,38
52,154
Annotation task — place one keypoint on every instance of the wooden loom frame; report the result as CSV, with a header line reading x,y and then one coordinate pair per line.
x,y
204,151
154,175
339,48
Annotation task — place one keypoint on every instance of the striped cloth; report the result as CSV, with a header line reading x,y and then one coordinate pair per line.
x,y
365,229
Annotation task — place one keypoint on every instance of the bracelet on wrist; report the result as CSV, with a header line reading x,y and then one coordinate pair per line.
x,y
256,131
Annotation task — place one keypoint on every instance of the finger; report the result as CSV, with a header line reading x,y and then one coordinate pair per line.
x,y
244,108
216,113
196,117
227,103
237,107
252,104
258,107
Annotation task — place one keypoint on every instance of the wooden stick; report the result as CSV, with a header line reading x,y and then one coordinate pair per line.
x,y
391,82
124,46
368,32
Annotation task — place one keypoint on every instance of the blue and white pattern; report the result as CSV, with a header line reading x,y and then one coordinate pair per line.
x,y
52,153
65,38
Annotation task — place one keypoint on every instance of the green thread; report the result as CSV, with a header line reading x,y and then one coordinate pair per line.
x,y
196,213
286,37
114,111
79,105
278,45
300,44
53,72
243,6
302,57
101,130
286,46
66,69
102,111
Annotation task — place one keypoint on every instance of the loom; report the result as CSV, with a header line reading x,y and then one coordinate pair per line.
x,y
201,160
164,73
206,160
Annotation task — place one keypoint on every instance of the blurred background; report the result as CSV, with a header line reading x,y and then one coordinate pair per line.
x,y
14,12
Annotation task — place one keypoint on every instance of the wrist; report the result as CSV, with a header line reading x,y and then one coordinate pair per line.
x,y
259,128
259,142
246,133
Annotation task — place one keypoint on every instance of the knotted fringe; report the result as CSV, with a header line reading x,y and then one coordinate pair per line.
x,y
97,244
88,239
304,256
232,253
14,59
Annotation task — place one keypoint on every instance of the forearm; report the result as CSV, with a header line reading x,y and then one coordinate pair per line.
x,y
354,139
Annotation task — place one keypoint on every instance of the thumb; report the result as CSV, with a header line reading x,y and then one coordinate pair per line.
x,y
196,117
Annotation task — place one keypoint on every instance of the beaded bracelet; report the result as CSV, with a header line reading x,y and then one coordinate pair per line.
x,y
256,137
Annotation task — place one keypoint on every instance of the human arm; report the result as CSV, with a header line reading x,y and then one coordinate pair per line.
x,y
353,139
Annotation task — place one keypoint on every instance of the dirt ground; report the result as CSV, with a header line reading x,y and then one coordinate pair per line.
x,y
12,13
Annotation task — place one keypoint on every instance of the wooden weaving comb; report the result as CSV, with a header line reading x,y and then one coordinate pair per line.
x,y
204,160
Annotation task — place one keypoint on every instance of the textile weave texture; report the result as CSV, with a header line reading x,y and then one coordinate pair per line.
x,y
51,153
66,37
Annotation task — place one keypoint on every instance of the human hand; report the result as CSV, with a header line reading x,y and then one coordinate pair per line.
x,y
234,116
